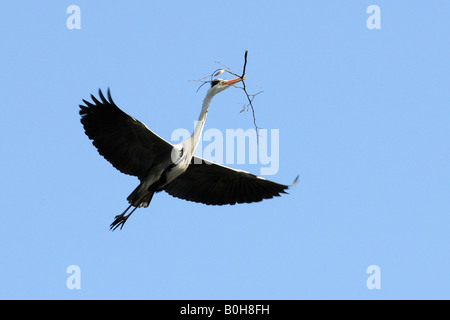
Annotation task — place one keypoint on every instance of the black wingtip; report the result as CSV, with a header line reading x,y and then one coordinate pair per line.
x,y
102,97
95,99
109,96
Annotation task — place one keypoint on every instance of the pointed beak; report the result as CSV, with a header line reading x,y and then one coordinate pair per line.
x,y
232,81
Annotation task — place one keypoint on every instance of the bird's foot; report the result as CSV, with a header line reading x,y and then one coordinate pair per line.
x,y
119,221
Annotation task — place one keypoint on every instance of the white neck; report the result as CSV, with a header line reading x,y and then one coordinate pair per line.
x,y
197,134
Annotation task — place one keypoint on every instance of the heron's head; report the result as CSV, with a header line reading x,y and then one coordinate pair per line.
x,y
219,85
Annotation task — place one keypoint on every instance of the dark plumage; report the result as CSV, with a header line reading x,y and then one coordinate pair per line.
x,y
134,149
214,184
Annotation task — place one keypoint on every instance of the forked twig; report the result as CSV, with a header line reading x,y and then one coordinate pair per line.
x,y
250,97
250,100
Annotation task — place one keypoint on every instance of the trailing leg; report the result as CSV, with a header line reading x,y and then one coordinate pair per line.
x,y
121,219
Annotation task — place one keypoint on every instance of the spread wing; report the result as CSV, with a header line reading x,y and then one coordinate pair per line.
x,y
125,142
213,184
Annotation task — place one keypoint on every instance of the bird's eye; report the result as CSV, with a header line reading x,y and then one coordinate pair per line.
x,y
214,82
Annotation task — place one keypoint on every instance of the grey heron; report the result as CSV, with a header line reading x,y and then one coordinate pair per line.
x,y
132,148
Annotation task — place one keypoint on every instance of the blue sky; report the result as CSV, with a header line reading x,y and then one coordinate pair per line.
x,y
363,118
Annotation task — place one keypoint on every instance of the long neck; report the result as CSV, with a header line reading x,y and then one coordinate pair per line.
x,y
196,135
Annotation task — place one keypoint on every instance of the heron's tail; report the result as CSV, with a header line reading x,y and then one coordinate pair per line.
x,y
141,196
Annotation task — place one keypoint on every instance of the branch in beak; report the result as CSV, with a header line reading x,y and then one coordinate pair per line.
x,y
233,81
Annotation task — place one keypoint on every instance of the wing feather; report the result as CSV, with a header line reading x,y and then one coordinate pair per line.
x,y
125,142
214,184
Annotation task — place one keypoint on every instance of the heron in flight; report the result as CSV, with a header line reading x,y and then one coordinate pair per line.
x,y
134,149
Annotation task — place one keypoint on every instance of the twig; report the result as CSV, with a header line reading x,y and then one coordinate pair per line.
x,y
245,108
250,100
250,97
245,63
